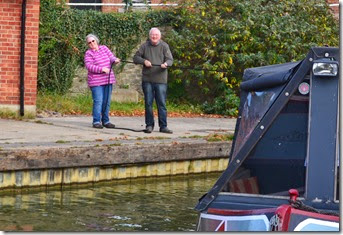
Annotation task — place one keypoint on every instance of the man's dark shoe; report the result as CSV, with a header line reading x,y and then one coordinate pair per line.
x,y
109,125
166,130
148,129
97,125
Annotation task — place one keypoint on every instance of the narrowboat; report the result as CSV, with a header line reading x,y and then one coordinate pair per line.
x,y
283,170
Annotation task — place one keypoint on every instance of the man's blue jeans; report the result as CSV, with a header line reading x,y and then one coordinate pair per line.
x,y
157,91
101,103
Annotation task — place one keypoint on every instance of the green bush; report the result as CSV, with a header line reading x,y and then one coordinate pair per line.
x,y
227,36
226,104
62,39
234,35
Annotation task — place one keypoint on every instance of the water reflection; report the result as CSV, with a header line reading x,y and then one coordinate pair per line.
x,y
158,204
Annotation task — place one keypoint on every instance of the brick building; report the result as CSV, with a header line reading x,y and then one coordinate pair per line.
x,y
334,5
19,54
19,31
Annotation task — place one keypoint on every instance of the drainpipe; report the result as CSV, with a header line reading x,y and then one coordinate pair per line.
x,y
22,56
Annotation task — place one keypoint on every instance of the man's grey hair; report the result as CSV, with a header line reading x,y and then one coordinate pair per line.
x,y
92,36
154,29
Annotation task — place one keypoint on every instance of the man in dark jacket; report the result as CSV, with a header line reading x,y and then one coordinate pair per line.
x,y
156,57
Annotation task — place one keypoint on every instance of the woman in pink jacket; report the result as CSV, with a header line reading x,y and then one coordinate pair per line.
x,y
98,60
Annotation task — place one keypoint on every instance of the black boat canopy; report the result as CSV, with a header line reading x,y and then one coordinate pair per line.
x,y
261,78
265,92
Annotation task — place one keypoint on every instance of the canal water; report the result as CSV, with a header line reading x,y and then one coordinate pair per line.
x,y
150,204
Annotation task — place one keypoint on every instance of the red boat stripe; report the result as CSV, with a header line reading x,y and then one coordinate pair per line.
x,y
240,212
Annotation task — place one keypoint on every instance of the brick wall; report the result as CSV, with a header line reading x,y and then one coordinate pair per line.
x,y
10,43
110,8
334,7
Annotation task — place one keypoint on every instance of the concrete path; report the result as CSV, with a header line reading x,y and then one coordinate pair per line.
x,y
77,131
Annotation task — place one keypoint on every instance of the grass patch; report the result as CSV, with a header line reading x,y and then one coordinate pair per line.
x,y
65,104
184,108
82,104
9,114
62,141
41,122
113,145
153,138
219,137
212,137
194,137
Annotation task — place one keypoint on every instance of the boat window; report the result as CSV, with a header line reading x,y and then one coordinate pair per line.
x,y
277,162
255,106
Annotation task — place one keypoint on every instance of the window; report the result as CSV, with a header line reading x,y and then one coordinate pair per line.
x,y
95,8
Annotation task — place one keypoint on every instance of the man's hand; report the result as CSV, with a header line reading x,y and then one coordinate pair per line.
x,y
164,65
147,63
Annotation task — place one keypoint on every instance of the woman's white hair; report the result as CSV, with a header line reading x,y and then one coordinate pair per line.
x,y
92,36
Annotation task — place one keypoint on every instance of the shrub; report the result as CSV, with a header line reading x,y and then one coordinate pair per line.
x,y
233,35
225,104
62,39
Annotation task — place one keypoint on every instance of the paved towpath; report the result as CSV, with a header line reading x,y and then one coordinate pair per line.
x,y
77,131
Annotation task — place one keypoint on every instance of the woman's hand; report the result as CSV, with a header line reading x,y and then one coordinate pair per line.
x,y
117,61
105,70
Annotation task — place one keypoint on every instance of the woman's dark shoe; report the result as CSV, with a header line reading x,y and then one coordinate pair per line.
x,y
109,125
97,125
166,130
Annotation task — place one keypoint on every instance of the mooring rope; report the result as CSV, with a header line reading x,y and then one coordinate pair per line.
x,y
301,206
169,67
180,67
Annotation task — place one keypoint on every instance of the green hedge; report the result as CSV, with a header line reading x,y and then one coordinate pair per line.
x,y
239,34
215,35
62,39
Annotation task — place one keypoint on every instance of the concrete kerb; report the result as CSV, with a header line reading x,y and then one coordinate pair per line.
x,y
62,150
